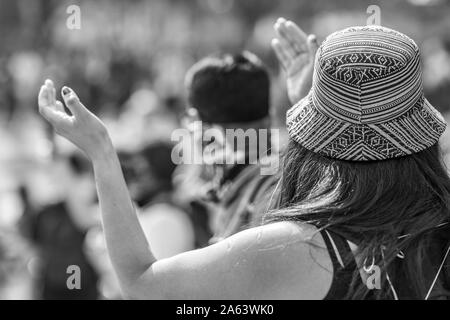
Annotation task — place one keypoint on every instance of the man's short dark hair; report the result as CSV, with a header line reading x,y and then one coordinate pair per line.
x,y
229,89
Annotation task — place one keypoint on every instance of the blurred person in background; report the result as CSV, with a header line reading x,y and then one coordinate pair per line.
x,y
228,92
149,175
332,227
58,231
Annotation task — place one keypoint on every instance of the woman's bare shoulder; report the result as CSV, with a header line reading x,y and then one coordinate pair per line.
x,y
287,260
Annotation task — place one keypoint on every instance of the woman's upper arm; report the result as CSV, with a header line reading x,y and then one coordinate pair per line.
x,y
257,263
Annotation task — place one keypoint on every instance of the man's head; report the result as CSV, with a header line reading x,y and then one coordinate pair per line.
x,y
231,94
229,89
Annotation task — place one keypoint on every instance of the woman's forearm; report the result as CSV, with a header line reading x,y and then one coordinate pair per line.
x,y
127,245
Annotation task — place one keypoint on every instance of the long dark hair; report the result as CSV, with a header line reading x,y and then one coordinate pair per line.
x,y
390,208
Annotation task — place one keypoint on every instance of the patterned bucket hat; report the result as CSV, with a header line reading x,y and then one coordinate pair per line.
x,y
367,100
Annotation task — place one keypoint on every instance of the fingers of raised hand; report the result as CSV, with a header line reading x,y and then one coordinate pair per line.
x,y
73,102
292,35
44,98
51,109
291,41
296,37
280,52
285,44
51,92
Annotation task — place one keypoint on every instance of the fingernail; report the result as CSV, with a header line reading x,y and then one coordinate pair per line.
x,y
65,91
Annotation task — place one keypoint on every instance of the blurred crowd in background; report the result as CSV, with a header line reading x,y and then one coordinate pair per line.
x,y
127,63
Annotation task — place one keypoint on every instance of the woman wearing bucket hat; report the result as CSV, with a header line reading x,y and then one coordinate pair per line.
x,y
364,197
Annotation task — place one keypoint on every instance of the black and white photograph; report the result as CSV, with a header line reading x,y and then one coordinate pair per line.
x,y
224,155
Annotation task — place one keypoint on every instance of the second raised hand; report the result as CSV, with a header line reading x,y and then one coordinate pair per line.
x,y
296,52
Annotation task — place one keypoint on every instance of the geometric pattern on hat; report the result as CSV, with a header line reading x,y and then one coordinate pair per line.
x,y
367,101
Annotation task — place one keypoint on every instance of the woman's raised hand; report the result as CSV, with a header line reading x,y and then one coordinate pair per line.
x,y
296,52
81,127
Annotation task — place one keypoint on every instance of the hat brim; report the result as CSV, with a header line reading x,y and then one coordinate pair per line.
x,y
415,130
